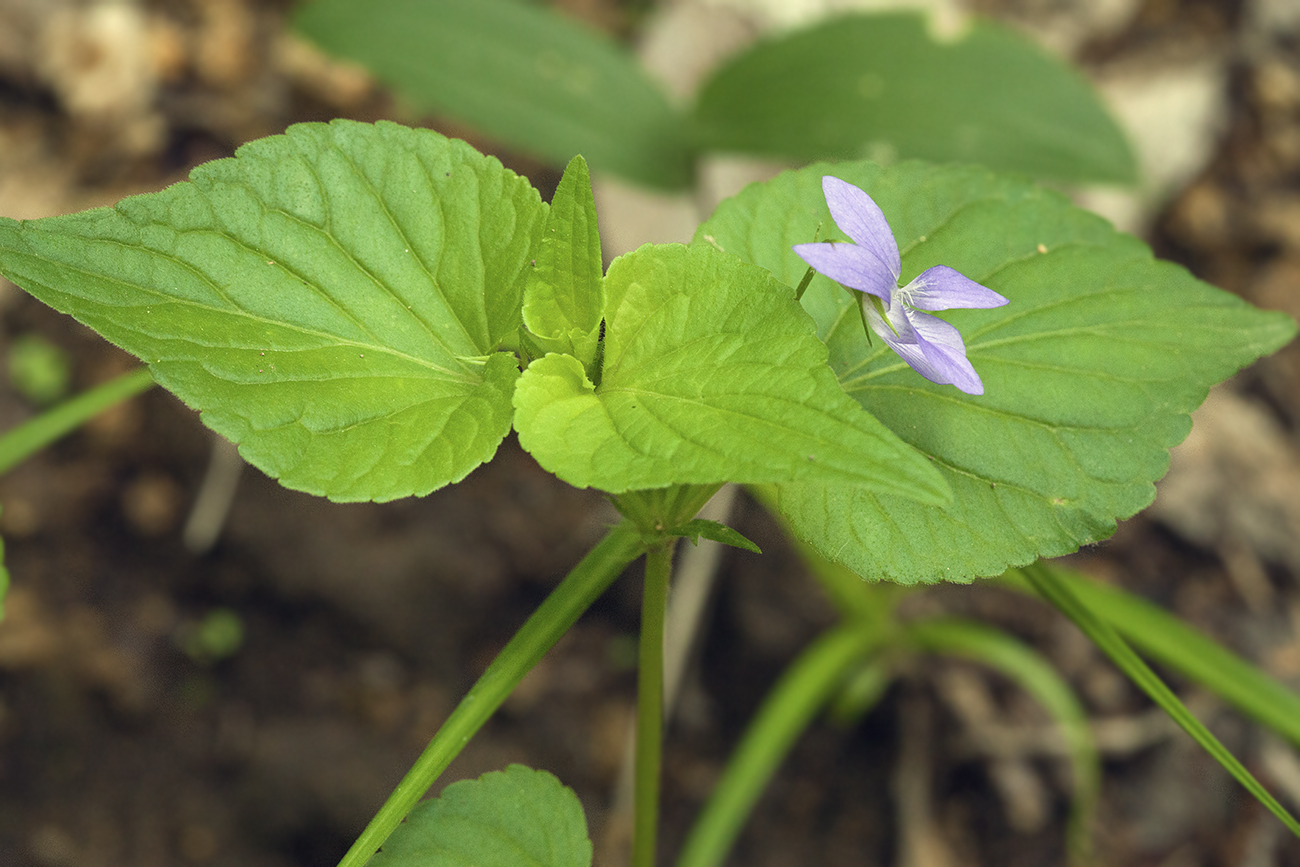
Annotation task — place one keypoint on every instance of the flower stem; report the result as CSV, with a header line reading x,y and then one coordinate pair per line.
x,y
803,284
552,619
650,702
33,435
803,690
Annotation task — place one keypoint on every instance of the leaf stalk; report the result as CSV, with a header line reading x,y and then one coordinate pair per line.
x,y
574,595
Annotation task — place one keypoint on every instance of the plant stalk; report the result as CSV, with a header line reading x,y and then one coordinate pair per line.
x,y
650,703
1056,590
35,434
803,689
574,595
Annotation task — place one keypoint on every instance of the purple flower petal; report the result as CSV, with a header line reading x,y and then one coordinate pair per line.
x,y
943,288
898,328
859,217
930,346
850,265
945,352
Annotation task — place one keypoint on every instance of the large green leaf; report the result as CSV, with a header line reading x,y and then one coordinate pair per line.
x,y
512,818
880,84
1089,373
538,81
331,299
711,373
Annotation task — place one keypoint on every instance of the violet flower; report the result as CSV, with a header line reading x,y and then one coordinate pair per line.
x,y
871,265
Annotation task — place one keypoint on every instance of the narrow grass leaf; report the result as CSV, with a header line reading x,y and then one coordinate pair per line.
x,y
1180,647
1058,592
1024,665
803,689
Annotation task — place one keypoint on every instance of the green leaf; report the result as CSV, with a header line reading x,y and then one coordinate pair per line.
x,y
331,299
714,532
518,817
712,373
1089,373
538,81
563,301
881,86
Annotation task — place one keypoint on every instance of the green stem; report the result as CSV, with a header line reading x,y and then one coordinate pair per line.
x,y
33,435
803,689
1057,591
1172,642
552,619
803,284
1025,666
650,703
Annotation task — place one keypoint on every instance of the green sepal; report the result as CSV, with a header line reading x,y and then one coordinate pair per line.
x,y
714,532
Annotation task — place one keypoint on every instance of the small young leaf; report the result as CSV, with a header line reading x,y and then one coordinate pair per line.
x,y
332,299
714,532
541,82
508,818
857,85
1089,373
712,373
563,302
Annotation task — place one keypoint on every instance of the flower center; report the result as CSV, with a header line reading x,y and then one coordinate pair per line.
x,y
904,294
